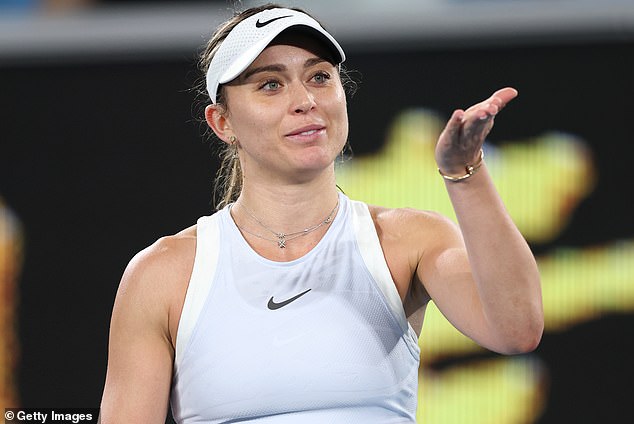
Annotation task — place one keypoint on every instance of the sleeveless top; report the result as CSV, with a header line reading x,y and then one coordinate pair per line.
x,y
320,339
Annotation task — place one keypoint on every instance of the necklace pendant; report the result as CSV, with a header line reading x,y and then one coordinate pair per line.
x,y
281,241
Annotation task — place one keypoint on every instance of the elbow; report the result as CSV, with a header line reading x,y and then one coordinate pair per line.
x,y
527,344
523,338
520,346
523,333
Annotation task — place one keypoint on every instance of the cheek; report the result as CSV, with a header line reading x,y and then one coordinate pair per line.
x,y
340,108
250,123
248,119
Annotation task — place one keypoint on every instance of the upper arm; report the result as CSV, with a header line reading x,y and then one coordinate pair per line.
x,y
140,351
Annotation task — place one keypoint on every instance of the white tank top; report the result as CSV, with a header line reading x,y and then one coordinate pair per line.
x,y
320,339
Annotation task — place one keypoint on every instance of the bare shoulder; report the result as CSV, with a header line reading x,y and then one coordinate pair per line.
x,y
167,252
157,277
408,235
402,224
167,259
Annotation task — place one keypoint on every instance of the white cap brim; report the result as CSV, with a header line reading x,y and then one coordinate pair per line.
x,y
250,37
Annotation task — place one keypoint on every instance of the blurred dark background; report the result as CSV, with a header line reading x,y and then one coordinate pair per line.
x,y
102,152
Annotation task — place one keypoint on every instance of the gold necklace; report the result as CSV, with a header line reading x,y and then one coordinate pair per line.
x,y
282,238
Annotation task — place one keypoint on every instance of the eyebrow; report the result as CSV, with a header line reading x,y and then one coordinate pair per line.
x,y
280,68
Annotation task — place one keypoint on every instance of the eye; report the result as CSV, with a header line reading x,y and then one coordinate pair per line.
x,y
270,85
321,77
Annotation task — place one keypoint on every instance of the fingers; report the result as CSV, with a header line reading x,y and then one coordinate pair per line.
x,y
453,128
465,132
455,122
492,106
503,96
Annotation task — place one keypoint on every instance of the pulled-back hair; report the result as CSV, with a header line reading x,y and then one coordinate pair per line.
x,y
228,181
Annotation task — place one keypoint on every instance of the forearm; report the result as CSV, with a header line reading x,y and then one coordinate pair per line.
x,y
502,264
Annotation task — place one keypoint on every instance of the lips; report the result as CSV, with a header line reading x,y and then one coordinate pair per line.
x,y
307,131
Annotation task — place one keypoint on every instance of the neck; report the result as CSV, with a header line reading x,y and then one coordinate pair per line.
x,y
291,207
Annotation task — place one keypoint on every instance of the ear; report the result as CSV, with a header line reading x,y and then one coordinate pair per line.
x,y
218,122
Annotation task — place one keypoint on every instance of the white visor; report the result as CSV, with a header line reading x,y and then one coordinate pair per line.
x,y
251,36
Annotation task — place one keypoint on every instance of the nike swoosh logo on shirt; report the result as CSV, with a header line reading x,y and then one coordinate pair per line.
x,y
259,24
273,305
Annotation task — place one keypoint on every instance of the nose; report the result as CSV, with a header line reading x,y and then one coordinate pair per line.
x,y
303,100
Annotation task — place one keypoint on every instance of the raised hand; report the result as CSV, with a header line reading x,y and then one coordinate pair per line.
x,y
460,142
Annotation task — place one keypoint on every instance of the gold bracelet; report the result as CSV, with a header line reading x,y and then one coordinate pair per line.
x,y
471,169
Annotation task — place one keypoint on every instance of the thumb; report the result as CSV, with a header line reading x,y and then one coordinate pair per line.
x,y
454,125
